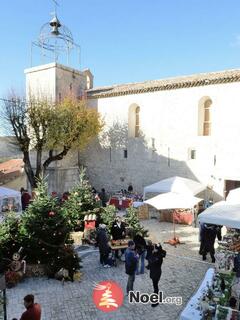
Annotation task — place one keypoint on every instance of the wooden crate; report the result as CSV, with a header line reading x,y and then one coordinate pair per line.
x,y
143,212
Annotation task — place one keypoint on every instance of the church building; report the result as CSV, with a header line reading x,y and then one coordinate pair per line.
x,y
183,126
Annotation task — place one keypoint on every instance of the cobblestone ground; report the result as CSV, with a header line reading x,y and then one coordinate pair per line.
x,y
182,272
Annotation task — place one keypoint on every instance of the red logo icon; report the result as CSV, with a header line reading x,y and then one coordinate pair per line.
x,y
108,296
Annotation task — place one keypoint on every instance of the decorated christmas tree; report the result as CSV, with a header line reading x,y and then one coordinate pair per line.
x,y
81,201
133,223
45,233
9,240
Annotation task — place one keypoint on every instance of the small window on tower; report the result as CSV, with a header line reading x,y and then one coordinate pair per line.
x,y
192,154
70,87
214,160
153,144
59,97
125,153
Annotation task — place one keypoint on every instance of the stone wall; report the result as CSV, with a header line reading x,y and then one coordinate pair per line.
x,y
62,179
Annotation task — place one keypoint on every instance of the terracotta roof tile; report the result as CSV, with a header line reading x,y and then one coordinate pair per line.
x,y
195,80
10,166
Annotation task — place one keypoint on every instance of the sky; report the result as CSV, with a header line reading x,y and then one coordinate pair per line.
x,y
125,41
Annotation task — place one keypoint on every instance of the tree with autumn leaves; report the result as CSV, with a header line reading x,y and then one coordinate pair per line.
x,y
49,129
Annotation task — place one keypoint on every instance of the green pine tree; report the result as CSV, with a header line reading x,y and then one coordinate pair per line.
x,y
81,201
45,231
132,221
9,240
107,216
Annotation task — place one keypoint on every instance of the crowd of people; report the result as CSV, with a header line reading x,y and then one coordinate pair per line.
x,y
155,260
118,232
137,251
27,197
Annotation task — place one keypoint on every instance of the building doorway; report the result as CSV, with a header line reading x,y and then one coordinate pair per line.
x,y
230,185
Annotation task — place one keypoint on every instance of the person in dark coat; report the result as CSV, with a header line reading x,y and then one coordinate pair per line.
x,y
155,264
103,197
102,242
149,249
25,198
130,188
131,258
140,245
118,232
237,265
208,236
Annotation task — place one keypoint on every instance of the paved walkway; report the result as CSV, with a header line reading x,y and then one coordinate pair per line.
x,y
181,273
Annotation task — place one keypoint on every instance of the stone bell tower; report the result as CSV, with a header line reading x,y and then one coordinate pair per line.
x,y
53,77
57,75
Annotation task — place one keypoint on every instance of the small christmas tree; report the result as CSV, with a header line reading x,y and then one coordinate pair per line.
x,y
107,216
132,221
45,231
81,201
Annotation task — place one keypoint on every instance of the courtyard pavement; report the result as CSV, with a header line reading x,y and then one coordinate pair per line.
x,y
182,272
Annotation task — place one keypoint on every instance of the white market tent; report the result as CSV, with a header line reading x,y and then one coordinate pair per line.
x,y
6,192
175,184
233,196
10,199
171,200
222,213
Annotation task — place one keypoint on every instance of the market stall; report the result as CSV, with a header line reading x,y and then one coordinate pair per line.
x,y
192,309
10,200
219,297
209,302
120,202
182,204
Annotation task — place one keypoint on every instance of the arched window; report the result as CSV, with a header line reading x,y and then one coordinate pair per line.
x,y
207,118
137,122
204,117
134,121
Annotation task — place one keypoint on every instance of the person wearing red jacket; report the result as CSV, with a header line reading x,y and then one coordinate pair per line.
x,y
33,311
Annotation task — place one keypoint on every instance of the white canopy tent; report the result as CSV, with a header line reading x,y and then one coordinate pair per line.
x,y
10,200
233,196
175,184
171,200
222,213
